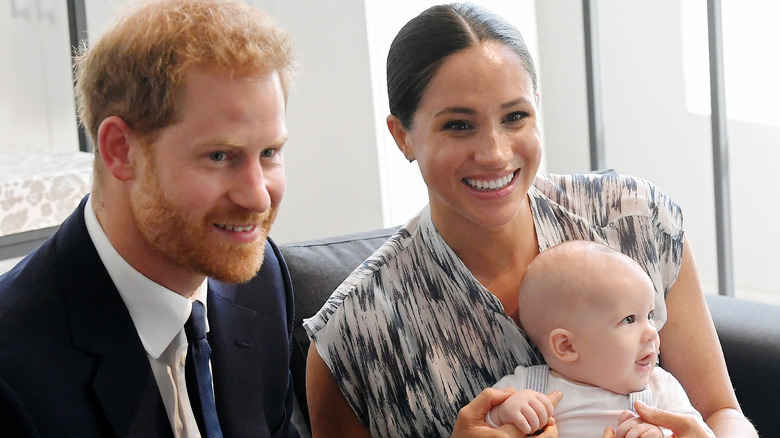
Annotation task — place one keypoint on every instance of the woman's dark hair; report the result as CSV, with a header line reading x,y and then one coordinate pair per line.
x,y
423,44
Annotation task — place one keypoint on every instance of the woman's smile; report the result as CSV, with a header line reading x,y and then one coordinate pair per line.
x,y
489,185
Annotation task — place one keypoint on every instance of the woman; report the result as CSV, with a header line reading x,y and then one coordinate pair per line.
x,y
429,321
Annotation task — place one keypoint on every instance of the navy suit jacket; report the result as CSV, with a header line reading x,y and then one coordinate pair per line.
x,y
72,364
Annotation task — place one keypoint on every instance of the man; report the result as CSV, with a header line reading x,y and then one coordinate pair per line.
x,y
185,103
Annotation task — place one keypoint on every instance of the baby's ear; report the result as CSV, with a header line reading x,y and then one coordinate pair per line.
x,y
562,345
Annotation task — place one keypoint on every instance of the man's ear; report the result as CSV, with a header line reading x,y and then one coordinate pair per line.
x,y
400,135
562,345
115,141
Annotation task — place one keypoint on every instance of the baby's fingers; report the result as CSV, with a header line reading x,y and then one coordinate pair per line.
x,y
539,411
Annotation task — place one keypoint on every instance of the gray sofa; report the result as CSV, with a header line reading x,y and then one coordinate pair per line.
x,y
749,332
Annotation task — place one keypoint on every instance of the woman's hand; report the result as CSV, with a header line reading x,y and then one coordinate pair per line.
x,y
681,425
630,425
471,418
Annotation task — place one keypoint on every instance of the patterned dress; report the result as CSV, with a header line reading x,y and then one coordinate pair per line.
x,y
411,336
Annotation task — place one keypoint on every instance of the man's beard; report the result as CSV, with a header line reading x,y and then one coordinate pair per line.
x,y
190,242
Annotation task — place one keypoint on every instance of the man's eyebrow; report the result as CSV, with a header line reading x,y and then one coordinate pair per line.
x,y
281,141
232,143
226,142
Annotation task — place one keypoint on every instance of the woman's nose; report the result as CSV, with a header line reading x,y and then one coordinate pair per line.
x,y
495,149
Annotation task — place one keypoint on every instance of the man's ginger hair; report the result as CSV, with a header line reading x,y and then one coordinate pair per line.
x,y
135,69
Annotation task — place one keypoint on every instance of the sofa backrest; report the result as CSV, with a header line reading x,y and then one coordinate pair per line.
x,y
317,268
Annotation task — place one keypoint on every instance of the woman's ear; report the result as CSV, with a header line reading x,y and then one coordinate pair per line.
x,y
562,345
115,140
400,135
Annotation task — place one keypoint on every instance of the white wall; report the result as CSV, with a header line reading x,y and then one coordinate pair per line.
x,y
332,169
345,174
562,83
653,130
344,171
647,128
37,113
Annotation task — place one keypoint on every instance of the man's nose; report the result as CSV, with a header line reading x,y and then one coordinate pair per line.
x,y
249,188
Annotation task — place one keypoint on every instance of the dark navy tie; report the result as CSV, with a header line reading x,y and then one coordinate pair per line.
x,y
198,375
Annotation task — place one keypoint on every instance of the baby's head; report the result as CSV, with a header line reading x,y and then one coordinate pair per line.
x,y
589,309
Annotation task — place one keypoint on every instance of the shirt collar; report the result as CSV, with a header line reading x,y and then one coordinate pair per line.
x,y
158,313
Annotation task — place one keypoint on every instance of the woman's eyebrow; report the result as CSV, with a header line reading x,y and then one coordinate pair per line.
x,y
469,111
455,110
515,102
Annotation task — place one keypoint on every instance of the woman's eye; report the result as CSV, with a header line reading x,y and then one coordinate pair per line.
x,y
629,319
516,116
218,156
457,125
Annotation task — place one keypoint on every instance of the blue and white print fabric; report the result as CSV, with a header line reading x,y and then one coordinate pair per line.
x,y
411,336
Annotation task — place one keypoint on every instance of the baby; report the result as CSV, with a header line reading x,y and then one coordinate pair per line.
x,y
589,309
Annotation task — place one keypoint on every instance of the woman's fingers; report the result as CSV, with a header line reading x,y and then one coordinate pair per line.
x,y
472,416
682,425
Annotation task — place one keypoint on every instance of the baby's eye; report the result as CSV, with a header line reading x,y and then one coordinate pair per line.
x,y
457,125
218,156
651,315
629,319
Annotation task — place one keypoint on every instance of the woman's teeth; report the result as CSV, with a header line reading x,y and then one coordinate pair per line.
x,y
495,184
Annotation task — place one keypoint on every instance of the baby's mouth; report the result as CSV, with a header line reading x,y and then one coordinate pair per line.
x,y
647,361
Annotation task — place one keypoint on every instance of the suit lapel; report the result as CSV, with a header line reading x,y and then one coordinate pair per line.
x,y
100,324
235,360
251,325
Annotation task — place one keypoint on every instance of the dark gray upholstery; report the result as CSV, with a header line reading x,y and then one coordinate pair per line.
x,y
317,267
749,332
750,335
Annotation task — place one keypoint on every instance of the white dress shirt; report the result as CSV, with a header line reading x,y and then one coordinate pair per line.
x,y
159,315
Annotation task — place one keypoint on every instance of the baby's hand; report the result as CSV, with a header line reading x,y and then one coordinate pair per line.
x,y
528,410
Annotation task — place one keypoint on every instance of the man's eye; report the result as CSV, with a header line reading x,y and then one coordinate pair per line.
x,y
267,153
218,156
457,125
629,319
